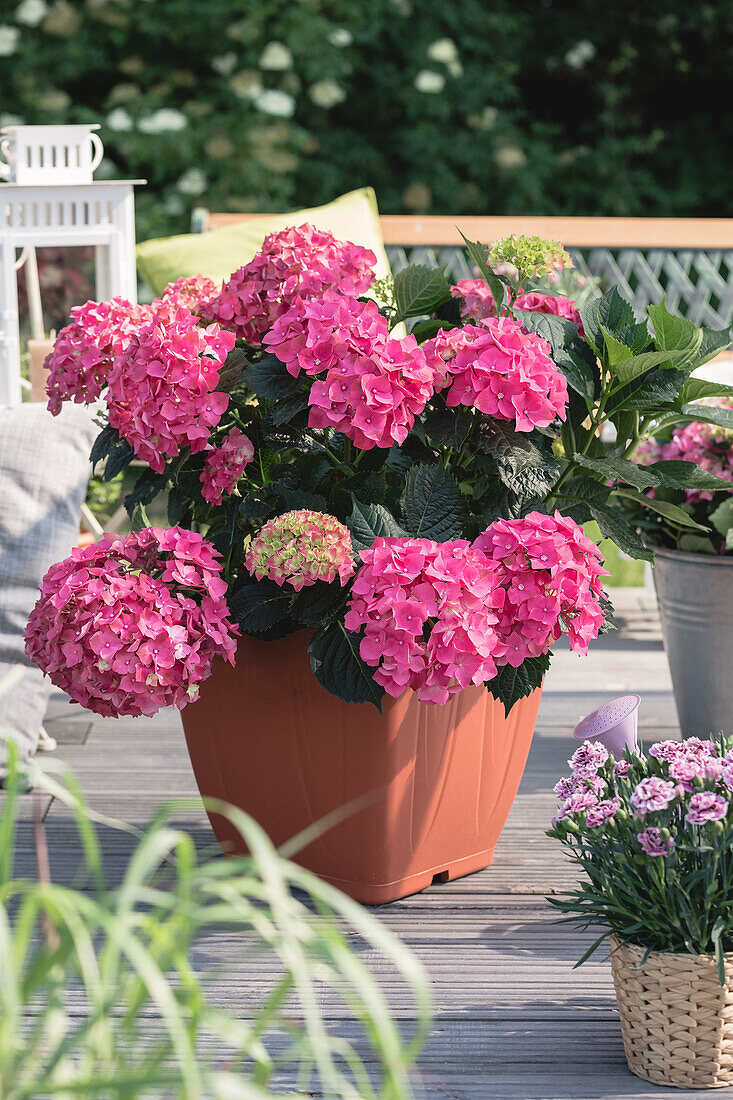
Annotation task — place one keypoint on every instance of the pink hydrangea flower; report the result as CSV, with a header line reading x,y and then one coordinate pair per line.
x,y
707,445
588,758
127,626
316,335
550,573
225,465
297,262
300,548
84,349
652,794
535,302
477,300
706,806
653,842
499,369
428,613
162,386
195,292
602,813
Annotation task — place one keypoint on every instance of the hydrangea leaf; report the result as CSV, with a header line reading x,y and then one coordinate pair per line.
x,y
432,504
338,666
419,289
512,684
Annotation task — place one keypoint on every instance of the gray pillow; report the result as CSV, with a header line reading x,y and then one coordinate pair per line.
x,y
44,470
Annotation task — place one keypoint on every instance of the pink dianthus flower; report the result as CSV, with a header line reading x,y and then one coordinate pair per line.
x,y
653,842
127,626
603,812
296,262
300,548
225,465
652,794
588,758
706,806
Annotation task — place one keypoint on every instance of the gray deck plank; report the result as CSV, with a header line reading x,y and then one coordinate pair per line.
x,y
514,1021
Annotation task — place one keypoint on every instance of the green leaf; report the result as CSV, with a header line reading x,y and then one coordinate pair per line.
x,y
426,330
145,490
569,351
269,379
117,452
657,389
614,351
178,506
432,504
722,516
449,427
713,341
419,289
511,684
675,333
257,607
676,474
140,519
697,388
478,253
630,369
319,604
299,498
609,310
696,544
664,508
339,668
619,469
288,408
709,414
368,522
613,526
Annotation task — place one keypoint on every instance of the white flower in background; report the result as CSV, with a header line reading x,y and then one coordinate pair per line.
x,y
192,182
443,50
8,40
580,54
225,64
486,120
107,170
273,102
55,99
174,205
340,37
11,120
31,12
429,81
510,156
165,121
119,120
276,57
246,84
327,93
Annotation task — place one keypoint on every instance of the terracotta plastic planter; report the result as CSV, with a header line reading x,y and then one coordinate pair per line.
x,y
433,785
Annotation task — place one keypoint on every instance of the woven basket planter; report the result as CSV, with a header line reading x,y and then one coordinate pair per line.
x,y
676,1018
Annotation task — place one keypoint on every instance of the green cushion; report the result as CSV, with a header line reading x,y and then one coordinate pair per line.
x,y
353,217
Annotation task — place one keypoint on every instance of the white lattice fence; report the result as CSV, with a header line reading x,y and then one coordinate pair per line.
x,y
698,284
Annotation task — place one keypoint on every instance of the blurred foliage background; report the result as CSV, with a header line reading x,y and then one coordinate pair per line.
x,y
507,106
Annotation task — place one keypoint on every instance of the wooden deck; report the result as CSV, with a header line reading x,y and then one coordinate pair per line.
x,y
514,1021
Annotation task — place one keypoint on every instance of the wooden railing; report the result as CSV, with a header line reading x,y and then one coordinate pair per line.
x,y
688,259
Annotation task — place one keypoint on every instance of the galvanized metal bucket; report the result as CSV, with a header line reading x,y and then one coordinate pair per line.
x,y
695,594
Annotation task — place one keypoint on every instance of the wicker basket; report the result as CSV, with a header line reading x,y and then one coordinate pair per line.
x,y
676,1018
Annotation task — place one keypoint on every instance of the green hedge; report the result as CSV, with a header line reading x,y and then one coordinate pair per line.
x,y
463,107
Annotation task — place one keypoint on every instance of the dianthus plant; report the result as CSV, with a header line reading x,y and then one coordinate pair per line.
x,y
652,835
401,466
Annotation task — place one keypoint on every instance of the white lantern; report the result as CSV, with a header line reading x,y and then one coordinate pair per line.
x,y
51,199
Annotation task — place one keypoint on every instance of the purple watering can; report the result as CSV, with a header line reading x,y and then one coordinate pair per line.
x,y
614,724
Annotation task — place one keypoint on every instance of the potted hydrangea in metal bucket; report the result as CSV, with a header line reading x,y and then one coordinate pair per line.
x,y
381,533
693,569
652,835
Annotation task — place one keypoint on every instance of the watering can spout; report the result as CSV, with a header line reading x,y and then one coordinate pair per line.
x,y
615,725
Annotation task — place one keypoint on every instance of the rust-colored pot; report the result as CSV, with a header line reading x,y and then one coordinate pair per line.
x,y
433,785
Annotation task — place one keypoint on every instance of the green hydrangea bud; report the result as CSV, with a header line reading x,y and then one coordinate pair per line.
x,y
532,256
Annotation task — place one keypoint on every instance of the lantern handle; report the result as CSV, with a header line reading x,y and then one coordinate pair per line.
x,y
98,151
5,169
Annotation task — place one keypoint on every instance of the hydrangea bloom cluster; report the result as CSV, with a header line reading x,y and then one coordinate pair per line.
x,y
550,574
162,386
477,300
225,465
707,445
195,292
531,256
297,262
499,369
556,305
428,612
373,386
128,626
300,548
84,349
